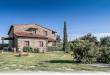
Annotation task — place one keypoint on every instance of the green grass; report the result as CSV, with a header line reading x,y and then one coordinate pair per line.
x,y
50,61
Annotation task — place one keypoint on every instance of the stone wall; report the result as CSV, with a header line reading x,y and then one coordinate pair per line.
x,y
33,42
50,44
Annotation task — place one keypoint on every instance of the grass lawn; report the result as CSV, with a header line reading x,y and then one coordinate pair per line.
x,y
50,61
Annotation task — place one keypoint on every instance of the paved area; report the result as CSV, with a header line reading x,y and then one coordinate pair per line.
x,y
100,65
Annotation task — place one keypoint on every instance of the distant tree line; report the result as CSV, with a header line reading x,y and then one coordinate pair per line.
x,y
3,45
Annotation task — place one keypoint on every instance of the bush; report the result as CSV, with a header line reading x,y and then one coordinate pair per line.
x,y
25,49
36,50
88,50
2,46
105,41
104,55
104,51
55,48
31,50
84,51
58,47
28,49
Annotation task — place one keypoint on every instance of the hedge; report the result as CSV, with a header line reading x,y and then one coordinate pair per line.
x,y
55,48
30,49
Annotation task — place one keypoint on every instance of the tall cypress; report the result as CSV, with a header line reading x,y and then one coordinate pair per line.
x,y
65,38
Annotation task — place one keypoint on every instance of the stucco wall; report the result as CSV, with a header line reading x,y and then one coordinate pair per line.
x,y
34,43
50,44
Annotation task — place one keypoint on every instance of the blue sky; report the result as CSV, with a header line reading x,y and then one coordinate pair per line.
x,y
82,16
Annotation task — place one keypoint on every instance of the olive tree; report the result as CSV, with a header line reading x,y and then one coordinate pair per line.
x,y
84,51
104,51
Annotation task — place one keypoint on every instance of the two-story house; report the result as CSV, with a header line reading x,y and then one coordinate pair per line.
x,y
32,35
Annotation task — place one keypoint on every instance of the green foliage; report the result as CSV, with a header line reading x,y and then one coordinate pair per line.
x,y
2,46
104,52
88,50
28,49
58,47
84,51
90,38
104,55
65,38
36,50
25,49
105,41
55,48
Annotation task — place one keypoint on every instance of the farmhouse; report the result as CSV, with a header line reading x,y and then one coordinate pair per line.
x,y
31,35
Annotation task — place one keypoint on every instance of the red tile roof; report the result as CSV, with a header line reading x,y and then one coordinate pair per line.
x,y
27,25
32,28
51,40
28,34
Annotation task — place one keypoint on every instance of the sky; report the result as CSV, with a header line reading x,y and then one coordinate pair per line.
x,y
82,16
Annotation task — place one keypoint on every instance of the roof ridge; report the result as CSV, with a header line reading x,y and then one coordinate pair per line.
x,y
23,24
35,25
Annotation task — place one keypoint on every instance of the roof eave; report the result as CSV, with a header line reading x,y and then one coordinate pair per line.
x,y
10,29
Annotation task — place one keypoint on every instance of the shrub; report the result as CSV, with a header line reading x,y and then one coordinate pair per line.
x,y
36,50
55,48
104,51
105,41
25,49
3,45
28,49
104,55
84,51
58,47
88,50
31,50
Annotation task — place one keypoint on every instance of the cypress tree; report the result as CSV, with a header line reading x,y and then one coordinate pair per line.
x,y
65,38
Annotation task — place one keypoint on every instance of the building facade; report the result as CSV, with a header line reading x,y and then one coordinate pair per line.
x,y
31,35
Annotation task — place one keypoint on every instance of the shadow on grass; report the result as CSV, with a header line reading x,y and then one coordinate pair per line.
x,y
60,61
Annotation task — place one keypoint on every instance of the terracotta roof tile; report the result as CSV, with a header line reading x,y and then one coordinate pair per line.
x,y
32,26
28,34
51,40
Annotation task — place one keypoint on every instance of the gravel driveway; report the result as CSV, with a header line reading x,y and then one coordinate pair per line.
x,y
100,65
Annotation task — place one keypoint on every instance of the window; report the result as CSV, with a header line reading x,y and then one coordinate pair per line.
x,y
45,33
26,43
41,43
34,31
53,33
